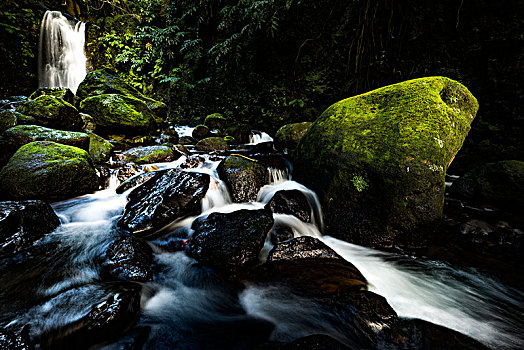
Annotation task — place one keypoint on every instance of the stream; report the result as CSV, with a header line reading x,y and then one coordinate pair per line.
x,y
188,306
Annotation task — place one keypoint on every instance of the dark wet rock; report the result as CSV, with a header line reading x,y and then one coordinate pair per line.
x,y
167,138
12,341
130,259
281,233
134,181
114,113
311,342
48,170
200,132
127,171
378,160
8,119
22,223
61,92
215,121
89,122
107,81
240,132
243,176
187,140
52,112
500,184
167,196
148,154
230,242
210,144
291,202
426,335
104,176
112,316
289,135
99,148
24,134
310,267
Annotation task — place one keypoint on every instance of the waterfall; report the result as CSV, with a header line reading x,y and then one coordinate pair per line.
x,y
257,137
61,57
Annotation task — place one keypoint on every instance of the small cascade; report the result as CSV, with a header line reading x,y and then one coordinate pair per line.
x,y
278,176
257,137
61,57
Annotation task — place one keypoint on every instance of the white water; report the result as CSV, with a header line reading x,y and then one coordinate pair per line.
x,y
61,57
257,137
184,130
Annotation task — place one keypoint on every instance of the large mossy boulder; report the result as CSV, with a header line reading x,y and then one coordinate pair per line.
x,y
148,154
53,112
113,113
8,119
169,195
378,160
22,223
210,144
106,81
48,170
61,92
99,148
230,242
24,134
500,184
243,176
289,135
215,121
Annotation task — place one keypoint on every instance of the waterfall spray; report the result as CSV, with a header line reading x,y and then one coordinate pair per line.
x,y
61,57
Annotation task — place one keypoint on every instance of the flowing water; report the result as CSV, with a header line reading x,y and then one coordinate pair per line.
x,y
188,306
257,137
61,57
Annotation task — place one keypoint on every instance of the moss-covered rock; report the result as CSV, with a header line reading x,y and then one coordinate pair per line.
x,y
289,135
212,144
113,113
378,160
149,154
48,170
8,119
500,184
61,92
24,134
53,112
200,132
215,121
99,148
107,81
243,176
240,132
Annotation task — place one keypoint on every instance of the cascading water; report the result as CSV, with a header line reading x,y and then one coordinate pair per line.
x,y
61,57
257,137
188,306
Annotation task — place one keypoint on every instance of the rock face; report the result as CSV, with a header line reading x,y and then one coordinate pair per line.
x,y
48,170
22,223
52,112
311,267
230,242
378,160
500,184
24,134
149,154
291,202
99,148
210,144
288,136
168,195
130,259
114,113
244,177
106,81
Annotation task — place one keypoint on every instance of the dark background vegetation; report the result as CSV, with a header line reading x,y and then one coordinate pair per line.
x,y
274,62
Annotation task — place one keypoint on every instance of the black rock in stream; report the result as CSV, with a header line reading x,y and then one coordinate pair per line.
x,y
169,195
11,341
230,242
129,258
22,223
291,202
243,176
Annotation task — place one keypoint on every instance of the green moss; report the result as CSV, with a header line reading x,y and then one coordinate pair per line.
x,y
52,111
212,144
289,135
99,148
400,138
23,134
149,154
215,121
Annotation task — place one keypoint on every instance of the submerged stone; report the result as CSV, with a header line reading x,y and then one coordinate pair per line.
x,y
378,160
24,134
48,170
169,195
22,223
